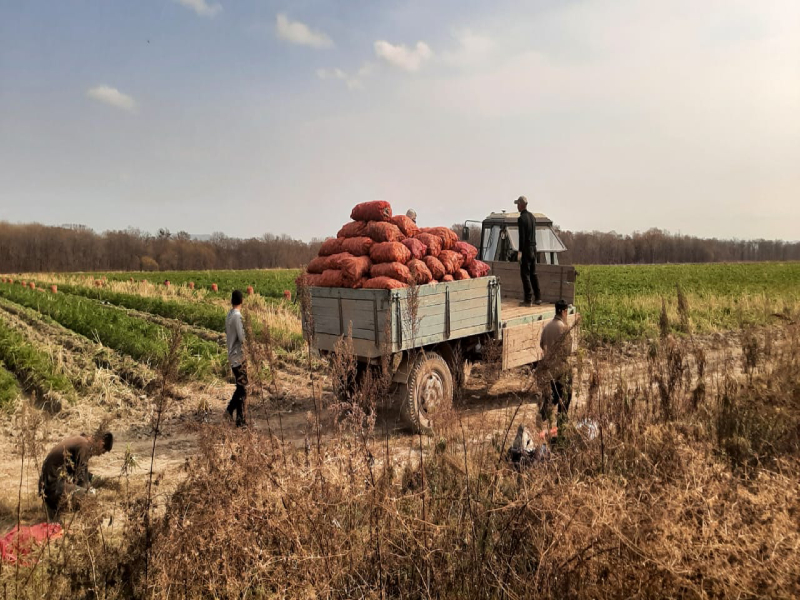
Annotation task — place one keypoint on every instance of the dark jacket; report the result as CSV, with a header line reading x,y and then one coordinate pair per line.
x,y
68,461
527,234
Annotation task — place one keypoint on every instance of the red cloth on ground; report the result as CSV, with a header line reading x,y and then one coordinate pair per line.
x,y
383,283
357,246
406,225
20,541
376,210
432,242
389,252
478,268
467,250
395,270
381,231
418,249
420,271
460,275
436,267
352,229
331,246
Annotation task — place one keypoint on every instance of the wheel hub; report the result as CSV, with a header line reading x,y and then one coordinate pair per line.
x,y
431,392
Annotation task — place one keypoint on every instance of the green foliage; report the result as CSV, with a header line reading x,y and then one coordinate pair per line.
x,y
267,282
9,388
34,368
138,338
624,302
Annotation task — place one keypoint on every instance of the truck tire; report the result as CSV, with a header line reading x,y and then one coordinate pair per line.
x,y
429,391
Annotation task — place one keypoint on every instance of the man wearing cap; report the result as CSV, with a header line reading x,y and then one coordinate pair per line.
x,y
412,214
527,253
556,345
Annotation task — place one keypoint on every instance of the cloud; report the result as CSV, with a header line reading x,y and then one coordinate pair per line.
x,y
401,56
352,82
299,33
111,96
201,7
472,49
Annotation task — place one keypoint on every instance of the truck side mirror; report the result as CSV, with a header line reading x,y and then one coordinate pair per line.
x,y
465,233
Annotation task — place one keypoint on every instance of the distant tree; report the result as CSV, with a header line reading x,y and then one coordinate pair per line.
x,y
149,264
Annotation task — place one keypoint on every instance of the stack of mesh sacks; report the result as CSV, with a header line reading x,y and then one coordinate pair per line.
x,y
379,251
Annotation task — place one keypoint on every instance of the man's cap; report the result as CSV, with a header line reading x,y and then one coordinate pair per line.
x,y
521,200
411,213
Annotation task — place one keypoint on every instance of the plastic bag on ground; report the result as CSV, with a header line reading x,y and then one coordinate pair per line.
x,y
389,252
331,278
354,268
420,271
432,242
331,246
381,231
376,210
467,250
383,283
353,229
451,260
357,246
478,268
461,274
418,249
406,225
436,267
395,270
317,265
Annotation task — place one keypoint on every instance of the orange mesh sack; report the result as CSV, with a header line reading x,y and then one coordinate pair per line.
x,y
432,242
381,231
377,210
357,246
478,268
311,280
451,260
467,250
354,268
448,236
436,267
331,246
335,260
383,283
360,283
395,270
406,225
352,229
460,275
447,278
317,265
389,252
331,278
420,271
418,249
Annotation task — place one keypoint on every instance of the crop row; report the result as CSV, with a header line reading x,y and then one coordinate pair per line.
x,y
267,282
145,341
32,366
9,388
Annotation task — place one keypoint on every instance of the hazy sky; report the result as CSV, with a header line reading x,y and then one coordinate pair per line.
x,y
252,116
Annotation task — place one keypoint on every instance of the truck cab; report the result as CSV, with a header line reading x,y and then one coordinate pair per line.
x,y
500,239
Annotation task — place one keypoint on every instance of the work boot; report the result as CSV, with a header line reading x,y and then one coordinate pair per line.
x,y
526,303
537,302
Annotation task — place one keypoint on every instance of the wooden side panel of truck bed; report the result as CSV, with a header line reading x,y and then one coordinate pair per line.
x,y
555,281
384,321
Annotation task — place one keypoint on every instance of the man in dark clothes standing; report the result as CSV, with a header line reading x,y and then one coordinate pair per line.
x,y
527,253
234,331
65,471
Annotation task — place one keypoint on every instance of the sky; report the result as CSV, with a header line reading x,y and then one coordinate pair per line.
x,y
250,116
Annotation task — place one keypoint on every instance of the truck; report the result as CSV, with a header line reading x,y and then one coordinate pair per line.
x,y
425,333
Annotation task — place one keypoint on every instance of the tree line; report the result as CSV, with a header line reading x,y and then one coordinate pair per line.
x,y
35,247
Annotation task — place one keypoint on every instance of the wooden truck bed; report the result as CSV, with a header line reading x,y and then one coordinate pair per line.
x,y
385,321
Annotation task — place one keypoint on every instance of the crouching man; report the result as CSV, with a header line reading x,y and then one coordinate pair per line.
x,y
65,471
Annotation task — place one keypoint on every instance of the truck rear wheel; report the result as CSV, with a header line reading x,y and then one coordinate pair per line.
x,y
428,393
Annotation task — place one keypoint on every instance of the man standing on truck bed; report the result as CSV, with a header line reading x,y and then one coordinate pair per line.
x,y
527,253
234,332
